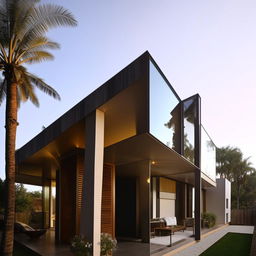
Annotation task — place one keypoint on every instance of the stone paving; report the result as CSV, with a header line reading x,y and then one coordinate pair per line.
x,y
199,247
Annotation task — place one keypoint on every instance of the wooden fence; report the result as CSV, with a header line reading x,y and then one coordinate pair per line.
x,y
243,217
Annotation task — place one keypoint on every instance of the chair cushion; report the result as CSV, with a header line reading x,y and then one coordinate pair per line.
x,y
170,221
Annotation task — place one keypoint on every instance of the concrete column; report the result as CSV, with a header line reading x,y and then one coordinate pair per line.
x,y
90,224
197,204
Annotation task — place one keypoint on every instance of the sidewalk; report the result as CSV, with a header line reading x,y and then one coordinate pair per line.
x,y
208,240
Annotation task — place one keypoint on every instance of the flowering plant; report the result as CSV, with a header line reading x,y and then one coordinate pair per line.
x,y
107,244
81,247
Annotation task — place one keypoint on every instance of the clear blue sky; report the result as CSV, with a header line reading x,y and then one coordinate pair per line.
x,y
205,47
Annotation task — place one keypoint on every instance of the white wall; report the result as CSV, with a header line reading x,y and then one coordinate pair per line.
x,y
228,196
154,194
167,208
216,200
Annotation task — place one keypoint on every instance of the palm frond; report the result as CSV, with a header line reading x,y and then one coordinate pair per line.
x,y
26,91
48,16
21,12
35,57
38,43
41,19
41,85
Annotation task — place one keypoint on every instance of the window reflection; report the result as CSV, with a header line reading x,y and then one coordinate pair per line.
x,y
164,111
189,129
208,155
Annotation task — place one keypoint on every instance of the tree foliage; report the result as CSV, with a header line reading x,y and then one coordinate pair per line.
x,y
232,165
23,197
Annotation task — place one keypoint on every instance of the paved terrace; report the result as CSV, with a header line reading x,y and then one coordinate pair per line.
x,y
45,246
208,239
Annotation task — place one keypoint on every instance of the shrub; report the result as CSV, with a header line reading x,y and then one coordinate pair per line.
x,y
107,244
209,218
81,247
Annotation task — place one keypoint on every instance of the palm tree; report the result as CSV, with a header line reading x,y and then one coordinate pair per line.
x,y
232,165
23,27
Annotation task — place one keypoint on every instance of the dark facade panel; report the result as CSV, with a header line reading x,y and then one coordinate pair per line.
x,y
130,74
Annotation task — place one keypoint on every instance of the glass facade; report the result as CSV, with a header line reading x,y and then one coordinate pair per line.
x,y
166,124
164,111
208,155
189,113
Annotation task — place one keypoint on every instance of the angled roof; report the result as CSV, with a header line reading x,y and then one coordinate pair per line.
x,y
102,94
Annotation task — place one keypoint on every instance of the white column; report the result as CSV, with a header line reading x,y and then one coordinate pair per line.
x,y
90,224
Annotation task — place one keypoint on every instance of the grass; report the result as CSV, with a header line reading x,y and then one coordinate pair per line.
x,y
232,244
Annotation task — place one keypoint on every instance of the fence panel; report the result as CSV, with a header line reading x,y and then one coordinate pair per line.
x,y
243,217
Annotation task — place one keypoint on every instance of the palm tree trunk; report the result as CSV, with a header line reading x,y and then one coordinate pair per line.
x,y
10,141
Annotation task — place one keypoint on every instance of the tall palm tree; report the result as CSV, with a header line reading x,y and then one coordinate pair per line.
x,y
23,27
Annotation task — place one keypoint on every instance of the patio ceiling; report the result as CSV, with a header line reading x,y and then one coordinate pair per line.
x,y
165,161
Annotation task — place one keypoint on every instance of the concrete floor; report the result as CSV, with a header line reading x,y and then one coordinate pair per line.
x,y
45,245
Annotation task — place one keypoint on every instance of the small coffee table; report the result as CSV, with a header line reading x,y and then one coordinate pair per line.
x,y
170,231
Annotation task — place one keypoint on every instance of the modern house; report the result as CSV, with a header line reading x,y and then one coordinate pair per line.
x,y
130,151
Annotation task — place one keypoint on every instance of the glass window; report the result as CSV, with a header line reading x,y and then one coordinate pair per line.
x,y
164,111
208,155
226,203
189,109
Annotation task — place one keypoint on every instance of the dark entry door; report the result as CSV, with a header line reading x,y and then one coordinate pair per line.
x,y
126,207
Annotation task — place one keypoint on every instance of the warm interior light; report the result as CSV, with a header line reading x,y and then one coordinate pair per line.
x,y
153,162
148,180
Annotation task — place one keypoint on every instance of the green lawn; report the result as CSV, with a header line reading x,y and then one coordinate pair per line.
x,y
232,244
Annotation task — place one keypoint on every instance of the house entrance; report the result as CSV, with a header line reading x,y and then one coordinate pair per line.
x,y
126,207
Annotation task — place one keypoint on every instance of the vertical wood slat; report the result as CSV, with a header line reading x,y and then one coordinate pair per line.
x,y
108,200
79,188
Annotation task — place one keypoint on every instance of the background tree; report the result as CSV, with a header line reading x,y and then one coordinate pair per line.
x,y
248,192
231,165
23,25
23,199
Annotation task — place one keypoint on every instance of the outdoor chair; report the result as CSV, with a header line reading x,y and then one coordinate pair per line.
x,y
189,222
20,227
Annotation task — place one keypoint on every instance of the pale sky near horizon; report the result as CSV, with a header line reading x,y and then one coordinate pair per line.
x,y
205,47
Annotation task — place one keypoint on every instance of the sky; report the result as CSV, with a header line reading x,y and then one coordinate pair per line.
x,y
205,47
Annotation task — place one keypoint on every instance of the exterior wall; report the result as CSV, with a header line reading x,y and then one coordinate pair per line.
x,y
216,200
228,205
171,199
154,198
167,197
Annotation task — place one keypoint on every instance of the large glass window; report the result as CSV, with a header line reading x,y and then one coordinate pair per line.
x,y
164,111
189,110
208,155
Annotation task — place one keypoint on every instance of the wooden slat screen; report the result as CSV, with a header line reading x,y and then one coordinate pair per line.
x,y
79,188
108,200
